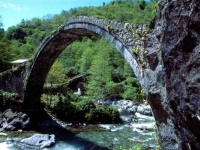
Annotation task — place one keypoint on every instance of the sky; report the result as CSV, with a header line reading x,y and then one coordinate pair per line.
x,y
13,11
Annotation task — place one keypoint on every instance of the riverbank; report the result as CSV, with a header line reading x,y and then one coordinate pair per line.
x,y
83,137
135,128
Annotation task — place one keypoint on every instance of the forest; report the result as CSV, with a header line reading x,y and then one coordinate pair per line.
x,y
109,78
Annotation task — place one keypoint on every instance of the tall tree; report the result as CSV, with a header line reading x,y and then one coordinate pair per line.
x,y
55,74
100,74
86,59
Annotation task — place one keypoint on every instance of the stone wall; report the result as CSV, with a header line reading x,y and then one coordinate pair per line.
x,y
12,81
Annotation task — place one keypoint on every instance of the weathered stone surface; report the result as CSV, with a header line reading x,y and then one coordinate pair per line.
x,y
152,59
173,91
144,109
12,80
40,140
14,121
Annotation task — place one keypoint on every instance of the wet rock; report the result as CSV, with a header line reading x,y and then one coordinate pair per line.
x,y
14,121
40,140
9,140
143,127
132,110
129,104
144,109
128,108
108,102
105,126
125,115
3,134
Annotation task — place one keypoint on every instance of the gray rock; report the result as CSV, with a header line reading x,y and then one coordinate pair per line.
x,y
125,115
127,104
105,126
126,119
14,121
41,140
132,110
114,103
140,109
144,110
108,102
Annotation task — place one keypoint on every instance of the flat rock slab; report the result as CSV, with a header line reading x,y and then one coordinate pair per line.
x,y
40,140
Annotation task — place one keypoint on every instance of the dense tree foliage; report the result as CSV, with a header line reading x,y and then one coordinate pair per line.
x,y
7,100
55,74
82,109
111,77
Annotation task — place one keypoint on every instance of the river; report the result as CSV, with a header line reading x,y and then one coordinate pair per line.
x,y
92,137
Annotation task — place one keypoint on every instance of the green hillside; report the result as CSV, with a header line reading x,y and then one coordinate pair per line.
x,y
117,79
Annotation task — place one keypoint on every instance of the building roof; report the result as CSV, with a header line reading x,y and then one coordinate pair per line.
x,y
19,61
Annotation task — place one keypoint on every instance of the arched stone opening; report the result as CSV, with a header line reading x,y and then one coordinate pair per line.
x,y
53,45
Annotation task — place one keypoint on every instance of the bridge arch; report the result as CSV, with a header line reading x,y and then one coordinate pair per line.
x,y
125,37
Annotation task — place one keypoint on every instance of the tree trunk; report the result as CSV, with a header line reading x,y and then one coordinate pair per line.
x,y
173,74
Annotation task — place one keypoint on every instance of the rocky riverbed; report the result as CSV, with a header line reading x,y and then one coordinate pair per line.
x,y
136,128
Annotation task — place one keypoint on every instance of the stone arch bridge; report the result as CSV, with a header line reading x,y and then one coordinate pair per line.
x,y
127,38
165,59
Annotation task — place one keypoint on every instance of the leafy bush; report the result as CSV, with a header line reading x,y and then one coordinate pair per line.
x,y
84,110
132,90
102,115
81,108
6,98
63,109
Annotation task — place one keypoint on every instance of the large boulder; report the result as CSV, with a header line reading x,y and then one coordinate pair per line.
x,y
14,121
40,140
144,109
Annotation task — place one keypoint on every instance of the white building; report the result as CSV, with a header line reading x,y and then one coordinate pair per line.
x,y
18,62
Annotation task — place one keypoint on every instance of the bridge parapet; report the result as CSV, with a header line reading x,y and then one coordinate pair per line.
x,y
130,34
